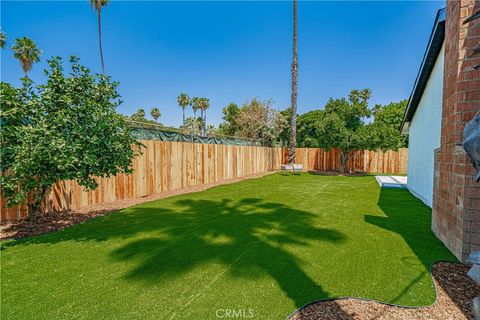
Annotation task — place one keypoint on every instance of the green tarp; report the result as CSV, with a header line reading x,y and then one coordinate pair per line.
x,y
166,135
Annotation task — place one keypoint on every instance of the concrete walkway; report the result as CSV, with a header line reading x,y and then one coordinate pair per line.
x,y
392,181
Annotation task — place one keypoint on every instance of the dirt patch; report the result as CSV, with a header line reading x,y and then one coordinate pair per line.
x,y
59,220
455,291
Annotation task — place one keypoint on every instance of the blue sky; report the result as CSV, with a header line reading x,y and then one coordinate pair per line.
x,y
230,51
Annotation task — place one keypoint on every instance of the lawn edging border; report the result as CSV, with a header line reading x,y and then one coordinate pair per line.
x,y
290,317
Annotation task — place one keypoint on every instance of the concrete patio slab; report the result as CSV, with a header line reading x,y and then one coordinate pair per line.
x,y
392,181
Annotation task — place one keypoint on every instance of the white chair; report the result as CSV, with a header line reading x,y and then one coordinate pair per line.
x,y
286,168
297,167
291,168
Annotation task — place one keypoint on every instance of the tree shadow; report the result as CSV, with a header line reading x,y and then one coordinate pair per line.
x,y
411,219
253,238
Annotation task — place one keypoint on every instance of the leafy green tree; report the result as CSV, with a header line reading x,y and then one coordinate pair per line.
x,y
183,101
390,114
211,129
155,113
259,120
98,5
293,117
307,128
139,115
229,125
26,51
285,134
343,125
388,118
193,124
3,39
66,129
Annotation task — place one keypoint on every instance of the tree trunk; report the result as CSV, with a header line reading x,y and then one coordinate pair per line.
x,y
343,162
293,119
33,207
183,115
344,157
202,128
32,212
100,40
205,123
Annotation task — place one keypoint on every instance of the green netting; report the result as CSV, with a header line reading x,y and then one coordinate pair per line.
x,y
142,132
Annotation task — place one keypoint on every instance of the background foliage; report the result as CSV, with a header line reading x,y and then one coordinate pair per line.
x,y
256,119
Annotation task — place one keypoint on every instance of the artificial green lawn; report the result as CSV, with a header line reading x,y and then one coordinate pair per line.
x,y
266,245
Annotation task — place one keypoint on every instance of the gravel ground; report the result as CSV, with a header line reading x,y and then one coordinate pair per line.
x,y
59,220
455,291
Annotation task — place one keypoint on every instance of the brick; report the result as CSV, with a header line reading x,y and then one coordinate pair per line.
x,y
473,106
467,116
456,199
473,31
471,42
472,193
472,215
469,63
469,74
473,204
473,238
466,85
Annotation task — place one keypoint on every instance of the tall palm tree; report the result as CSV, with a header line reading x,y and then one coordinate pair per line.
x,y
26,51
3,39
97,5
204,105
155,113
195,103
293,119
183,101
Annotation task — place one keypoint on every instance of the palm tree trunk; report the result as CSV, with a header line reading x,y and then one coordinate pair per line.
x,y
205,123
293,119
183,115
100,39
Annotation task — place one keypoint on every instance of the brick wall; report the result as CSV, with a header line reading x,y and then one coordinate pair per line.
x,y
456,196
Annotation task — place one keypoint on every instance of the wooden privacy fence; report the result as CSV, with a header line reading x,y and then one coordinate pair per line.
x,y
364,161
167,166
163,166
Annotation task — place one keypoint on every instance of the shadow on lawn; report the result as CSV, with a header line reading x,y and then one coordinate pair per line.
x,y
248,236
411,219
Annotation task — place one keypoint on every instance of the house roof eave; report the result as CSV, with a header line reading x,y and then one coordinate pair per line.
x,y
430,57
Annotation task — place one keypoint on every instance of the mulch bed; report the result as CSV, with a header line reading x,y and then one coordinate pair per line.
x,y
50,222
455,291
